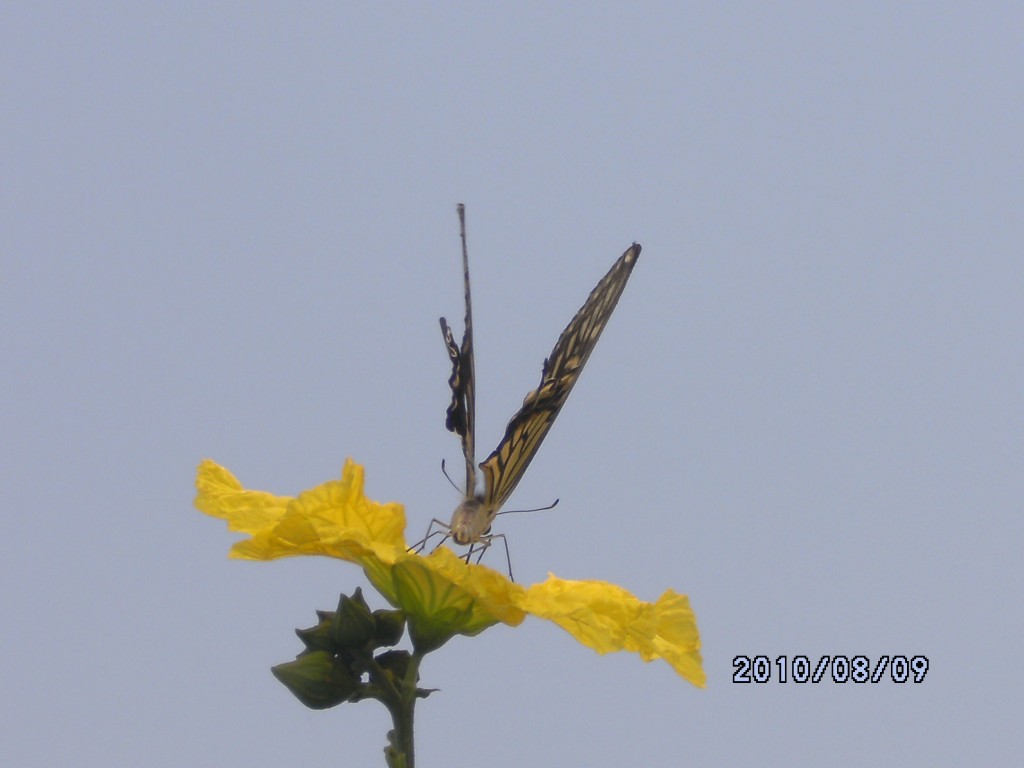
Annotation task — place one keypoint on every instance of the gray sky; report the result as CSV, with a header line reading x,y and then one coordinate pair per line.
x,y
229,231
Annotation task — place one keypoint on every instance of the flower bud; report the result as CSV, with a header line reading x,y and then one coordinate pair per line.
x,y
353,627
317,679
390,625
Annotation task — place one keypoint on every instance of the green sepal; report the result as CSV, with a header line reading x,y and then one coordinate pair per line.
x,y
430,633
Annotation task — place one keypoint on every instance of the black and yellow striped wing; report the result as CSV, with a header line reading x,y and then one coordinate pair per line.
x,y
504,468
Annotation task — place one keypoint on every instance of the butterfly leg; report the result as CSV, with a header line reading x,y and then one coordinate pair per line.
x,y
443,531
485,542
508,557
478,547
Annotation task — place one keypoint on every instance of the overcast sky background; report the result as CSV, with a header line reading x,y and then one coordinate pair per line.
x,y
228,231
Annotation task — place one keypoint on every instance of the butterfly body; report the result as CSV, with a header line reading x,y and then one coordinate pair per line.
x,y
471,520
504,467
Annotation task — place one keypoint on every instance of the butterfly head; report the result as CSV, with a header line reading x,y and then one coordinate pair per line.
x,y
471,520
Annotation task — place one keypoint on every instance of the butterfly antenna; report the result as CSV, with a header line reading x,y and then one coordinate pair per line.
x,y
552,505
445,473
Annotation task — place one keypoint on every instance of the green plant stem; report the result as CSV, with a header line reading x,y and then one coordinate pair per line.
x,y
400,699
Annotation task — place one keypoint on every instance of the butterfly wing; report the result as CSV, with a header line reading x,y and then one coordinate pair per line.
x,y
460,417
505,466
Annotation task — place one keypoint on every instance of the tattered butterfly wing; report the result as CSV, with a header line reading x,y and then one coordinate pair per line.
x,y
504,468
461,415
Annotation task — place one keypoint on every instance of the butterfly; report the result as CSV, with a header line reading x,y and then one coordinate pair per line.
x,y
503,469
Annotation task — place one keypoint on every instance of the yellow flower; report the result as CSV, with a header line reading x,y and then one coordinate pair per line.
x,y
440,593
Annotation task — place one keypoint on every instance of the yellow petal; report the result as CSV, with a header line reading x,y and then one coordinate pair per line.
x,y
676,637
607,618
334,519
221,495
